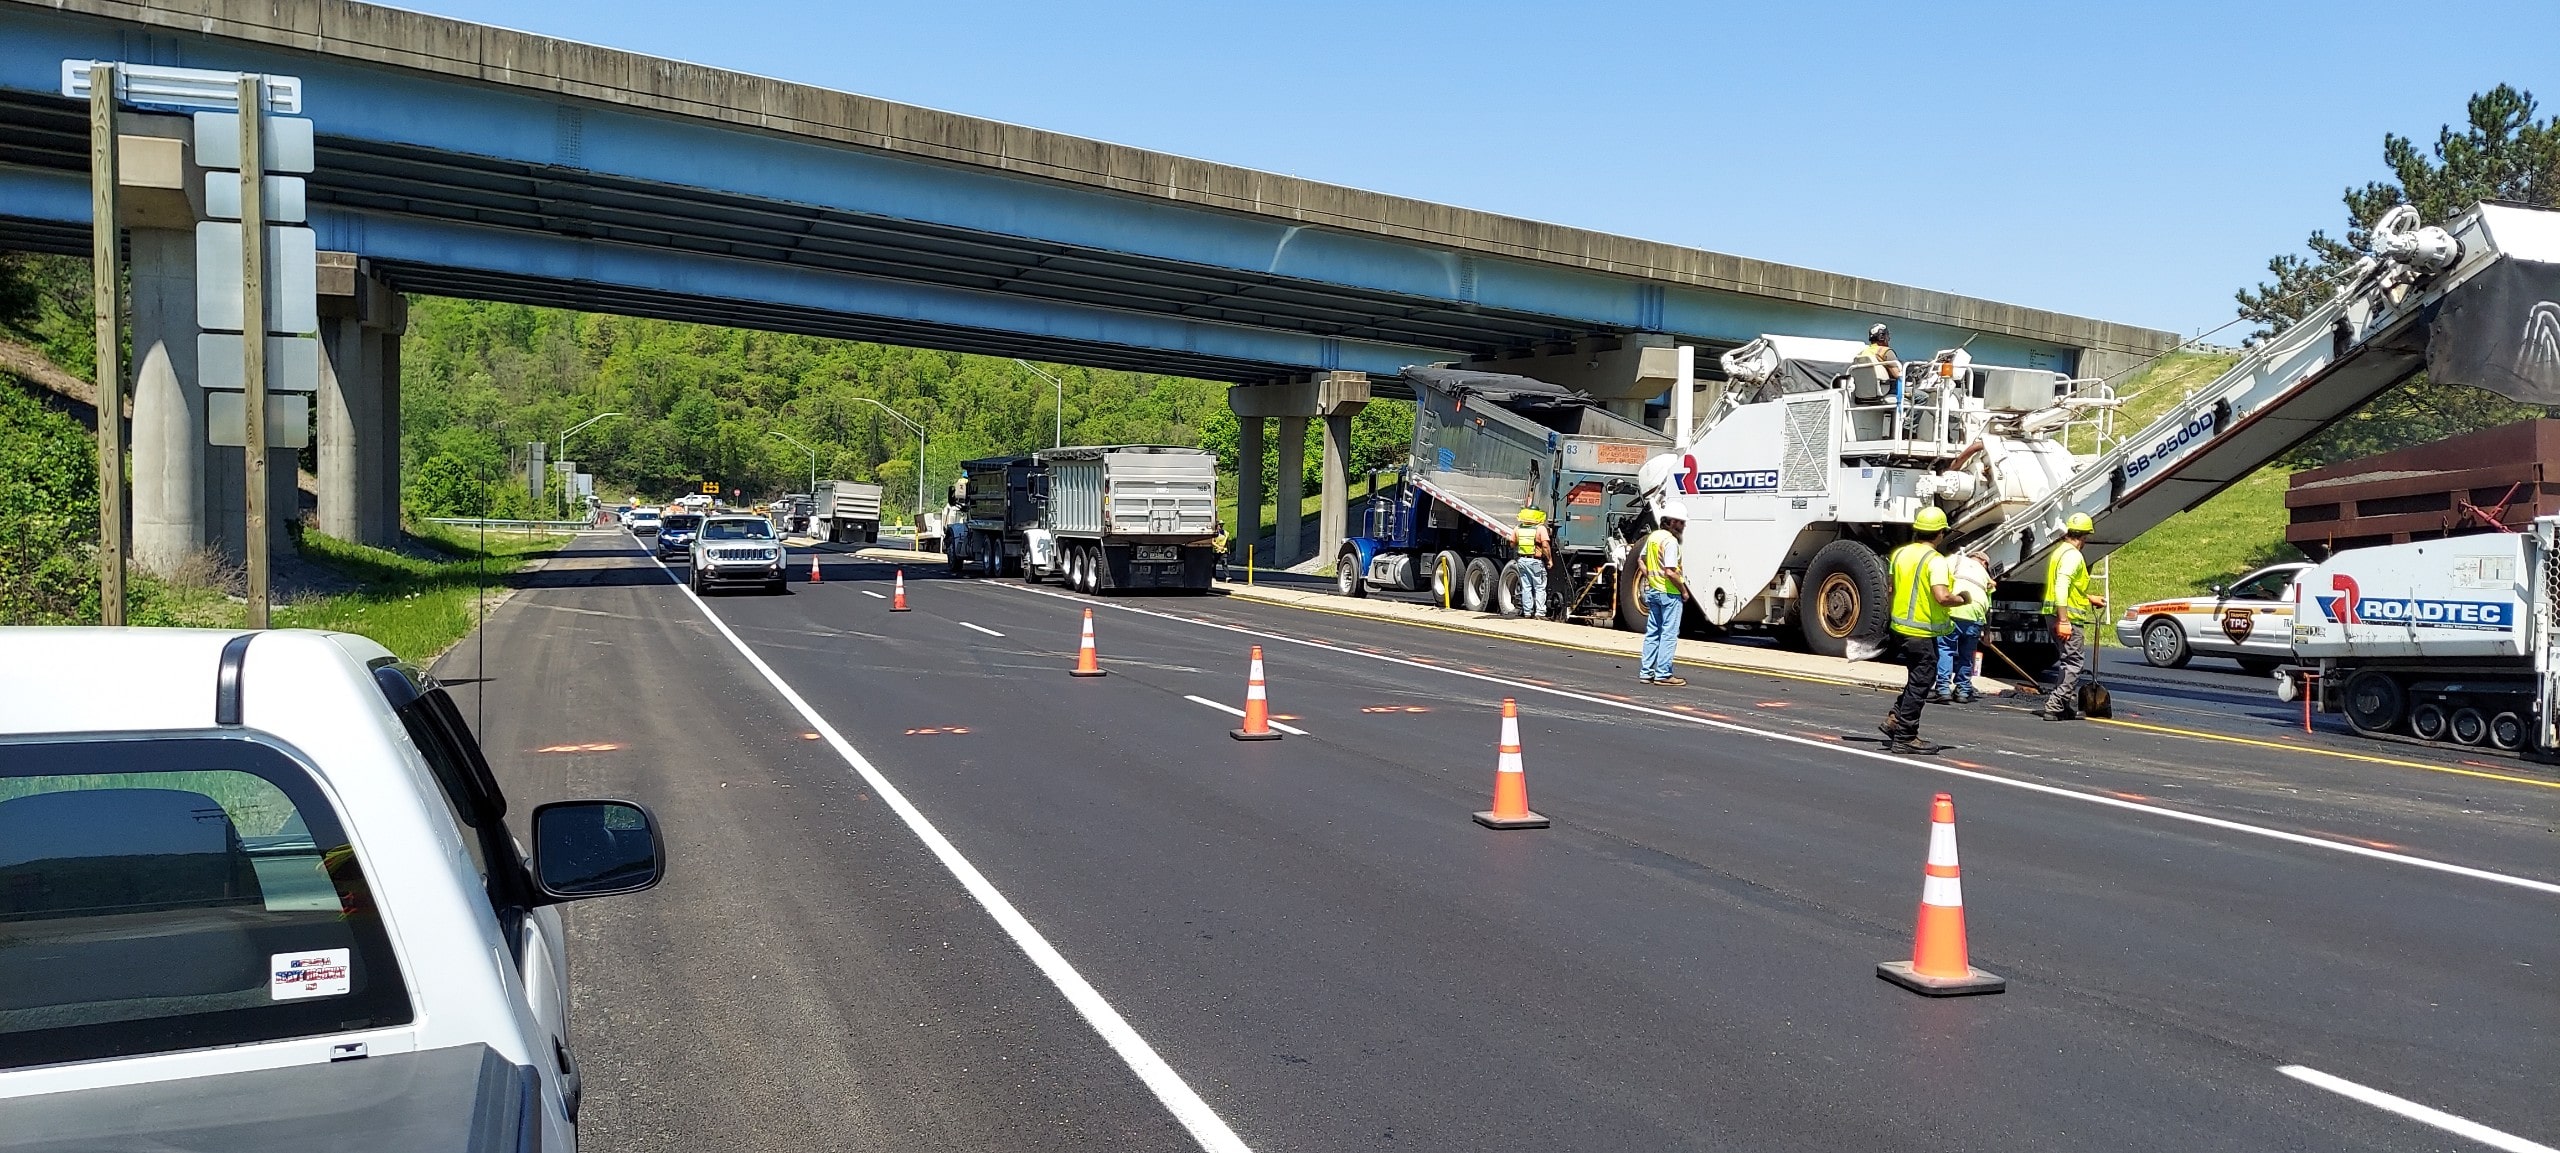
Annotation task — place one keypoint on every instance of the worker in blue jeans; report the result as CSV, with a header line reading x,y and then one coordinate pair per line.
x,y
1666,593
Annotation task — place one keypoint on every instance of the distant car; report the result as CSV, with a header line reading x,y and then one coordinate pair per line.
x,y
676,531
2250,622
732,550
643,522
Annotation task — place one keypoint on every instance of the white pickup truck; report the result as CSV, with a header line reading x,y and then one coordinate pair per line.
x,y
257,891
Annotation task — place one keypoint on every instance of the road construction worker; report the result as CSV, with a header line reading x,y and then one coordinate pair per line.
x,y
2074,611
1536,550
1923,591
1665,593
1956,649
1879,350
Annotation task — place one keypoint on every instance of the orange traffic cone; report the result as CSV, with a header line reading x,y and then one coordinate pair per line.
x,y
1510,784
898,597
1257,707
1939,966
1088,662
814,578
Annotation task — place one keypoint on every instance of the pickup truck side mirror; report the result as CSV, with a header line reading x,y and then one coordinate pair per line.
x,y
587,849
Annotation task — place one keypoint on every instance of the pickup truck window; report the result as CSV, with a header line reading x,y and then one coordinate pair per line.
x,y
160,895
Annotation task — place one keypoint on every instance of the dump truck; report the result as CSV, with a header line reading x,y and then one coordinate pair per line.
x,y
845,512
1485,446
2446,640
994,503
1126,516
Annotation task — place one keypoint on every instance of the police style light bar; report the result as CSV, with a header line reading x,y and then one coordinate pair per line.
x,y
159,86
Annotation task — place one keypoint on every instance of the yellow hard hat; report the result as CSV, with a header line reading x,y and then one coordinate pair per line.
x,y
1532,516
2079,523
1931,519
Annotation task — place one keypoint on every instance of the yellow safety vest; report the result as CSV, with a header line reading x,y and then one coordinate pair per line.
x,y
1916,613
1654,570
2066,584
1527,538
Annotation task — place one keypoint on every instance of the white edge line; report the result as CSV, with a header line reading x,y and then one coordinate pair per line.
x,y
2227,825
1203,1122
873,595
1233,711
981,628
2414,1111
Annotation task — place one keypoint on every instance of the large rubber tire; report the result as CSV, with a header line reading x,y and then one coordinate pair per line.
x,y
2373,703
1848,595
2469,726
2427,721
1448,574
1506,590
1346,575
1084,562
1477,588
2164,644
2506,731
1630,598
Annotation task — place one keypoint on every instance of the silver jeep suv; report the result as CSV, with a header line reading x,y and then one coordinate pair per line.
x,y
737,550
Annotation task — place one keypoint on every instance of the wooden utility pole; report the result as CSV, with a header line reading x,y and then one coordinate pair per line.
x,y
253,333
106,276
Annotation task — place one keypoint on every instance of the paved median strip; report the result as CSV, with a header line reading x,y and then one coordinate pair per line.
x,y
1233,711
2391,1103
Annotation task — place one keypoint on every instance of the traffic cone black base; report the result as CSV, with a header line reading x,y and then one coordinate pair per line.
x,y
1264,735
1524,821
1974,981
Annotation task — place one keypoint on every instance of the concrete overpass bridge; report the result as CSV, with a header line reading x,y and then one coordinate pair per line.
x,y
466,160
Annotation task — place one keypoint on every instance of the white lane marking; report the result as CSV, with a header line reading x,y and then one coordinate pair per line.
x,y
2414,1111
1233,711
873,595
2539,886
1203,1122
980,628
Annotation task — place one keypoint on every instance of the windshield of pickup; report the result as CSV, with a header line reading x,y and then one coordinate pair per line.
x,y
681,521
159,895
741,528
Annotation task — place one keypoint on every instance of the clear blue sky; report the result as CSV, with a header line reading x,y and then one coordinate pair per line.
x,y
2132,161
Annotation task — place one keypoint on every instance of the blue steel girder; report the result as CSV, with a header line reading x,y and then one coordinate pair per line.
x,y
402,143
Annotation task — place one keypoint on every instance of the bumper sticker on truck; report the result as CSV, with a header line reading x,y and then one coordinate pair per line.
x,y
294,976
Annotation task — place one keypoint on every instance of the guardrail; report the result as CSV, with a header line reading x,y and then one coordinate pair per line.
x,y
525,526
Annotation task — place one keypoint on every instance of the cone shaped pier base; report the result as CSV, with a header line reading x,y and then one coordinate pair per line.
x,y
1523,821
1974,981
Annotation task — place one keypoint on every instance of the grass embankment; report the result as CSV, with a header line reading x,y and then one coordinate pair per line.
x,y
414,606
2238,530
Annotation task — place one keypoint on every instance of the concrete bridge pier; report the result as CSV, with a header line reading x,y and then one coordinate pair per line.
x,y
358,408
1334,398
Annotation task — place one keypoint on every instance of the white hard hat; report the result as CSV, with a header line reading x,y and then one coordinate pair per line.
x,y
1672,510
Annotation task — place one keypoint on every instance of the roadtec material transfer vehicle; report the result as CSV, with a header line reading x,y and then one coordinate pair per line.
x,y
2444,640
1808,465
258,891
1486,445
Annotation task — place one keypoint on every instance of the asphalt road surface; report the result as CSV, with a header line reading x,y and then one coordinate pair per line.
x,y
928,891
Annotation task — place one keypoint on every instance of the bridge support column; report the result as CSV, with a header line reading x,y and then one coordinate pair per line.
x,y
1249,457
1339,397
359,408
168,409
1292,513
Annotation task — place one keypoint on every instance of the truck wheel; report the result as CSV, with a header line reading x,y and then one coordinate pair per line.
x,y
1506,590
2427,721
1346,575
1477,590
1630,586
2164,645
1847,594
2470,726
1448,573
1030,572
2506,731
2373,703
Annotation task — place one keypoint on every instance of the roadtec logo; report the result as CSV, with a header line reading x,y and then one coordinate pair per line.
x,y
1690,480
2351,607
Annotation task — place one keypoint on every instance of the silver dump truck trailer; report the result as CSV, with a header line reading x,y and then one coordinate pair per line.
x,y
1128,516
846,512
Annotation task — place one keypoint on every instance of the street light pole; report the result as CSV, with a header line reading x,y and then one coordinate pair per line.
x,y
813,460
919,430
563,504
1062,399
